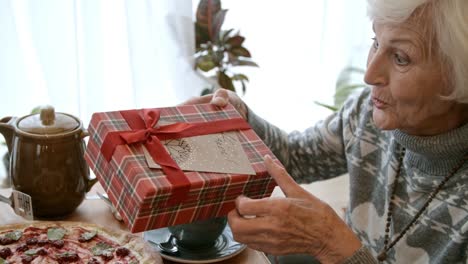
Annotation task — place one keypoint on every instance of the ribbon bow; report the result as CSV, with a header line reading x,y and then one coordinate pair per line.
x,y
144,130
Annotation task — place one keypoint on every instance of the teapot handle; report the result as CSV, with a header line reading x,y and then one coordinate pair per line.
x,y
7,129
89,181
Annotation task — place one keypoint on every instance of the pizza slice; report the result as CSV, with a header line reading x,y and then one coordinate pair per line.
x,y
71,242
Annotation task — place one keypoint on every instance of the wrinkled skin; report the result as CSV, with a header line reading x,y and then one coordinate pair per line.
x,y
221,98
297,223
406,86
407,83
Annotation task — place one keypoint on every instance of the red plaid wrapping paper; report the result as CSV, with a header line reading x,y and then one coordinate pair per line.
x,y
139,193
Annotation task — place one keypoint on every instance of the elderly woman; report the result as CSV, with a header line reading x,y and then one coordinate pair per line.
x,y
403,141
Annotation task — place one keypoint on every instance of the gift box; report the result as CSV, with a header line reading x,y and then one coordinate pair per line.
x,y
135,154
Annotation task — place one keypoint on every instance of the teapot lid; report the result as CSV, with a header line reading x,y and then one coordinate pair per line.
x,y
48,122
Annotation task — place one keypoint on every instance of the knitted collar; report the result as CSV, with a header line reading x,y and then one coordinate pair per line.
x,y
434,154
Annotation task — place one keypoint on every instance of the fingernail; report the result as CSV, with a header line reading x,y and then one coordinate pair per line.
x,y
249,216
218,101
242,197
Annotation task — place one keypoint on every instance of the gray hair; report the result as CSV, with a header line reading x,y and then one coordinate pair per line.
x,y
449,28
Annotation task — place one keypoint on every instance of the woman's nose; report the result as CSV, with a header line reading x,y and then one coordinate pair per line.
x,y
376,73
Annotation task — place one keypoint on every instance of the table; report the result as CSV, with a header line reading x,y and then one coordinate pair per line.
x,y
97,212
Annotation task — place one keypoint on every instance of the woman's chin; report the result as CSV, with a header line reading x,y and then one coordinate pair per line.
x,y
382,120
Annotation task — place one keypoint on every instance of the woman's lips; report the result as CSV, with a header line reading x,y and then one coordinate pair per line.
x,y
379,103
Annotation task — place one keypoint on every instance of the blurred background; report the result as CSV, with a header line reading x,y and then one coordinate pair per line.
x,y
85,56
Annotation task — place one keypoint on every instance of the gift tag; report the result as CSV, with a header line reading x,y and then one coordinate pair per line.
x,y
22,204
222,153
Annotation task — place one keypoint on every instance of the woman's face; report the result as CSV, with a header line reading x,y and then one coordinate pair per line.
x,y
406,83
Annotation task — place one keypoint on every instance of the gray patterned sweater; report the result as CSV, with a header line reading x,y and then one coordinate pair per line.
x,y
348,142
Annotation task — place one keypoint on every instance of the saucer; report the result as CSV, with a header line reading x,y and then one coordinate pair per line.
x,y
224,248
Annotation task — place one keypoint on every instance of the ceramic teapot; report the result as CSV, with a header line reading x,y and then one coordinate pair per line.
x,y
46,160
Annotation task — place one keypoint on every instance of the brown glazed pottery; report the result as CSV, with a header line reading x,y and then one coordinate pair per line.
x,y
46,160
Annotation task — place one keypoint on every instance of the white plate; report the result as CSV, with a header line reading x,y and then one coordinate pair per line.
x,y
224,248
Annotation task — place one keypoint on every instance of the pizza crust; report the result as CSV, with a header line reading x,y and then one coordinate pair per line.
x,y
139,247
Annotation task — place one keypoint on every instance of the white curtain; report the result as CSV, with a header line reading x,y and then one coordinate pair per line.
x,y
301,46
84,56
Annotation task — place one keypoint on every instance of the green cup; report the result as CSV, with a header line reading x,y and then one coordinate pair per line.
x,y
199,234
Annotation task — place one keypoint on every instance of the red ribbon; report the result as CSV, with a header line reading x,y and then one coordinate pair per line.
x,y
144,130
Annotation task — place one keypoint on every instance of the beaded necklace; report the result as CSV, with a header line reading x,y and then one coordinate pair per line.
x,y
387,246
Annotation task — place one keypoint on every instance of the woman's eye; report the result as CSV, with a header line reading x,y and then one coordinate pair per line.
x,y
400,60
375,44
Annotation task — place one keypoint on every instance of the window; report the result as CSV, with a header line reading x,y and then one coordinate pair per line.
x,y
301,46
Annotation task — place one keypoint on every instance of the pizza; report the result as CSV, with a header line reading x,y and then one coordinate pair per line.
x,y
71,242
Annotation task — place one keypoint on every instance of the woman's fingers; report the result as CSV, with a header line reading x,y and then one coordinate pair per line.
x,y
220,98
256,207
274,205
301,221
287,184
198,100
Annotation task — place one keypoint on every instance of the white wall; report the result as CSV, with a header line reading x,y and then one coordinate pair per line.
x,y
300,45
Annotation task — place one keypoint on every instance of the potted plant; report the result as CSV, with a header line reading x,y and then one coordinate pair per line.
x,y
345,85
219,52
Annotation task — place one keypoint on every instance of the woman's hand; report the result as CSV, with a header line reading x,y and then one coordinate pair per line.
x,y
298,223
221,98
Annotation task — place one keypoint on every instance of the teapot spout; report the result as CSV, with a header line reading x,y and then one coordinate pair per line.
x,y
7,129
90,183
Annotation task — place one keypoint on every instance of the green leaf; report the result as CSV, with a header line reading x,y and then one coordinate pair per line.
x,y
334,109
14,235
205,65
207,91
206,12
89,235
225,81
345,75
201,35
217,24
240,51
31,252
2,261
236,41
243,86
343,92
218,57
243,62
102,248
240,77
225,35
55,233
